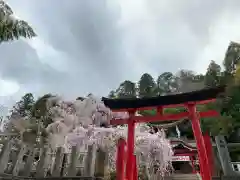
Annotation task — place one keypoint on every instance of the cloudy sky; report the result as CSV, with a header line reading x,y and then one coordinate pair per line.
x,y
92,45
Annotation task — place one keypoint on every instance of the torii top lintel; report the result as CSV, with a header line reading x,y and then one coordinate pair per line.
x,y
139,103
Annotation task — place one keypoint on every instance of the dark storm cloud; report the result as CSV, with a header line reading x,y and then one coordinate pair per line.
x,y
20,61
88,32
197,15
108,41
182,30
85,31
21,64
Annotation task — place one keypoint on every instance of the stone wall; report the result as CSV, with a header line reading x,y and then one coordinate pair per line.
x,y
227,178
52,178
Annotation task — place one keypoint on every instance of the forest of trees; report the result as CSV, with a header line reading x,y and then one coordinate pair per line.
x,y
227,104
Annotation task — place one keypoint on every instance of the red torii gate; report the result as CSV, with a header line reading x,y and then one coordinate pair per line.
x,y
187,100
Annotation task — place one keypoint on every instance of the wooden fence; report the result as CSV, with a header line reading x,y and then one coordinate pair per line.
x,y
30,161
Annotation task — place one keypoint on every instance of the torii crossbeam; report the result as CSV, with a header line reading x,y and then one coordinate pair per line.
x,y
186,100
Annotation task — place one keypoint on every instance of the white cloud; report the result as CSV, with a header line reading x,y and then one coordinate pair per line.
x,y
48,55
8,88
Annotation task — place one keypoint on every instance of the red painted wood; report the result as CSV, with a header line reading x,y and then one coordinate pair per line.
x,y
160,110
205,101
130,146
210,113
202,154
120,162
168,117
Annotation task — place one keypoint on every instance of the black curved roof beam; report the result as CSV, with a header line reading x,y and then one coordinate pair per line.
x,y
136,103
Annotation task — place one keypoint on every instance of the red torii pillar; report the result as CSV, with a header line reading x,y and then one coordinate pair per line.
x,y
209,150
121,158
130,146
202,154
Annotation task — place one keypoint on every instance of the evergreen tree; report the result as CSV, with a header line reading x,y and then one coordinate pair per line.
x,y
232,57
213,75
187,81
112,94
166,83
24,107
147,86
127,89
230,103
